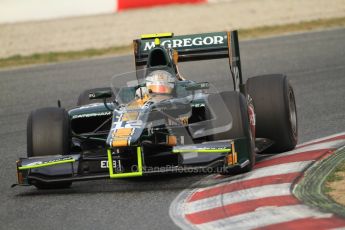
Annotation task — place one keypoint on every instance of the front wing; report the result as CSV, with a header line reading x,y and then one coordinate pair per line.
x,y
205,157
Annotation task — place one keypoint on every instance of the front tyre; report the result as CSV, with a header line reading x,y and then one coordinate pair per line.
x,y
275,108
48,133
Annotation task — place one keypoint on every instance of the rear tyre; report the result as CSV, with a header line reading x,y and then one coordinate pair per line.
x,y
48,133
238,107
84,99
275,108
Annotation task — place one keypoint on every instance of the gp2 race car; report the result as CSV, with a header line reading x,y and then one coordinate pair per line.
x,y
154,120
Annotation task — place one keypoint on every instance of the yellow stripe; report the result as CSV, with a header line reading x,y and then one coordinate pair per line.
x,y
120,142
234,153
125,175
172,140
157,35
201,150
46,164
123,132
230,159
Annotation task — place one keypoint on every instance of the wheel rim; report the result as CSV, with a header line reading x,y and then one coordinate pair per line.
x,y
293,113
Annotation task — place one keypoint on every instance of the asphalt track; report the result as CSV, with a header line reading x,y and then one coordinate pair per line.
x,y
314,62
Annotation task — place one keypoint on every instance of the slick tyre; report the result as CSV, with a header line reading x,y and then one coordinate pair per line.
x,y
236,104
275,108
48,133
84,99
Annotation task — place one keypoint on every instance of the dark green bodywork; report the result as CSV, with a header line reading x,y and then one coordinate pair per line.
x,y
93,125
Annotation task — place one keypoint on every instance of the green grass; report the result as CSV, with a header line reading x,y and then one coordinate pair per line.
x,y
334,177
41,58
294,27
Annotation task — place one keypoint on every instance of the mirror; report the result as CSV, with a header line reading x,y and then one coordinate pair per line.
x,y
100,94
197,86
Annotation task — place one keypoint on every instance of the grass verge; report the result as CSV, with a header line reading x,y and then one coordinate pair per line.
x,y
41,58
311,188
337,176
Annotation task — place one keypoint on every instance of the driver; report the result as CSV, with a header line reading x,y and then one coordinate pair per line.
x,y
158,82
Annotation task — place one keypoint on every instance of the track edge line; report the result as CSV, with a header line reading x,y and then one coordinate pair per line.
x,y
309,188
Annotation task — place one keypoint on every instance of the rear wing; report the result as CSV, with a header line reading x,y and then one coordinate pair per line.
x,y
196,47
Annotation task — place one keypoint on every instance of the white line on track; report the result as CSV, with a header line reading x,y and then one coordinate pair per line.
x,y
327,145
321,139
261,172
262,216
238,196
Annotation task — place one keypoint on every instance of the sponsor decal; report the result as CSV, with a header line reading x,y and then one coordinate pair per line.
x,y
236,76
91,115
188,42
116,165
92,95
49,162
202,149
213,148
91,105
251,115
198,105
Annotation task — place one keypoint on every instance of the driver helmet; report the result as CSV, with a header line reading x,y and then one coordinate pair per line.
x,y
160,82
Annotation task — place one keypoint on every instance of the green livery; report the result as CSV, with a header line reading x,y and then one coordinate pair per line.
x,y
157,120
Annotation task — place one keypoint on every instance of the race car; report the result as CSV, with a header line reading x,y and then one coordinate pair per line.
x,y
157,120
